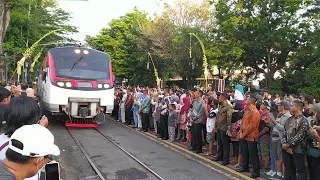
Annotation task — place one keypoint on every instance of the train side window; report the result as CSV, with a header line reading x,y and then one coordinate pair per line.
x,y
44,74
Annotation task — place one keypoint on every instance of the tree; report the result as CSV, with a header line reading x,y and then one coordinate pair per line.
x,y
169,40
265,32
302,74
4,22
126,47
30,20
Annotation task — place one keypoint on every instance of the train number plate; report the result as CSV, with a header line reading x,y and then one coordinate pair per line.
x,y
84,84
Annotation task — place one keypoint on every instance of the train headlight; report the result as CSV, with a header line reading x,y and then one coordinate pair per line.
x,y
85,52
99,85
68,84
77,51
106,85
61,84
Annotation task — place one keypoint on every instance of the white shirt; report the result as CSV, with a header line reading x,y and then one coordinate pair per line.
x,y
238,95
124,98
212,121
3,139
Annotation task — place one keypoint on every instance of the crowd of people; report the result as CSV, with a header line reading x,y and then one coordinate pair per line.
x,y
26,145
276,135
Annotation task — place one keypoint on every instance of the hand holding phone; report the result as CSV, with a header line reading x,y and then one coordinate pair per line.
x,y
52,171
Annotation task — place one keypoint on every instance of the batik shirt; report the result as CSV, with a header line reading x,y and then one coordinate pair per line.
x,y
295,133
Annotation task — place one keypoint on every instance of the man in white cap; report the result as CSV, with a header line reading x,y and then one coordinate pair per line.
x,y
30,149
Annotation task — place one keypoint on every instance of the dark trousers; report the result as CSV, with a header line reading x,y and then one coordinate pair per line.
x,y
196,139
235,148
151,123
164,126
145,121
115,112
128,115
249,149
223,146
204,130
158,127
314,165
295,168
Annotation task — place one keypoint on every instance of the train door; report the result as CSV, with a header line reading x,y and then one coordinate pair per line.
x,y
43,80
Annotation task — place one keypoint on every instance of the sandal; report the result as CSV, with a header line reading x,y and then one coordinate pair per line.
x,y
207,154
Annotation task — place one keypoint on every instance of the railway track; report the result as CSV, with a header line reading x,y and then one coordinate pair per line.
x,y
94,166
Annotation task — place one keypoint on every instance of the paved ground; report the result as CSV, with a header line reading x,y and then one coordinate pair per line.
x,y
73,164
166,162
109,159
115,165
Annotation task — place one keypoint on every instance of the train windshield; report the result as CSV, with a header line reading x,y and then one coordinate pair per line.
x,y
91,65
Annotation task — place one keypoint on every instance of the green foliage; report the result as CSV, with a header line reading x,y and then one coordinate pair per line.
x,y
311,81
124,44
237,35
29,21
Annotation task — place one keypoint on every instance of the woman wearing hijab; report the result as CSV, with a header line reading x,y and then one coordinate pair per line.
x,y
184,117
154,103
239,94
140,99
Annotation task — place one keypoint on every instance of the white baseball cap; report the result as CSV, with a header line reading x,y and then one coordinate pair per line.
x,y
37,141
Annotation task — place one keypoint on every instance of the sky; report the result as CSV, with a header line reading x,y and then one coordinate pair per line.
x,y
90,16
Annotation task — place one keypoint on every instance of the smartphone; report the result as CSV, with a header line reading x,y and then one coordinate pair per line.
x,y
52,171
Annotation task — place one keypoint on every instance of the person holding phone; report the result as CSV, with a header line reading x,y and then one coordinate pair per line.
x,y
29,150
21,111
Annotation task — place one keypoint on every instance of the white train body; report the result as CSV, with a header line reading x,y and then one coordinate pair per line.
x,y
76,81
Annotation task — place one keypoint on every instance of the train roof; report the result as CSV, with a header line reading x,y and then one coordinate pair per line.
x,y
53,50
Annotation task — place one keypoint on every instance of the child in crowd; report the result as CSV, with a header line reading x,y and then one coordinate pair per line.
x,y
172,121
211,121
237,115
135,111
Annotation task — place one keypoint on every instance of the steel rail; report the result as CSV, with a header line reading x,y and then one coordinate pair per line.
x,y
130,155
86,156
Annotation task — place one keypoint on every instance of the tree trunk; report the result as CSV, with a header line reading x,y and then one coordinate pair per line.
x,y
4,22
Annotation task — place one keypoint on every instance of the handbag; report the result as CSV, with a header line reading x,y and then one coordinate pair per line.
x,y
313,152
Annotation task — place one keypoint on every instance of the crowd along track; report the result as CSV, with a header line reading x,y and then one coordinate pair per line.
x,y
94,166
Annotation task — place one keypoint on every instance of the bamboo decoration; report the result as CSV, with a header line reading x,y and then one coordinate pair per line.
x,y
30,51
204,58
35,60
158,80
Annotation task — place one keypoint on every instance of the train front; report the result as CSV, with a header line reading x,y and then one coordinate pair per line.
x,y
81,85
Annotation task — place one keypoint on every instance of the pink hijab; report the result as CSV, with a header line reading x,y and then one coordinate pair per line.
x,y
186,105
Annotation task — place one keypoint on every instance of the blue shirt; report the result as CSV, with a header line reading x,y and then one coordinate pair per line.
x,y
145,105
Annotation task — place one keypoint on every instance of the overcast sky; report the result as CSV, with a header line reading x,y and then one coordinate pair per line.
x,y
92,15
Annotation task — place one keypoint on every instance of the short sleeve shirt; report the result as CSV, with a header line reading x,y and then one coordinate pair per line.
x,y
5,174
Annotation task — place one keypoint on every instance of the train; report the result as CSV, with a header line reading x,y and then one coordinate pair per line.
x,y
77,82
